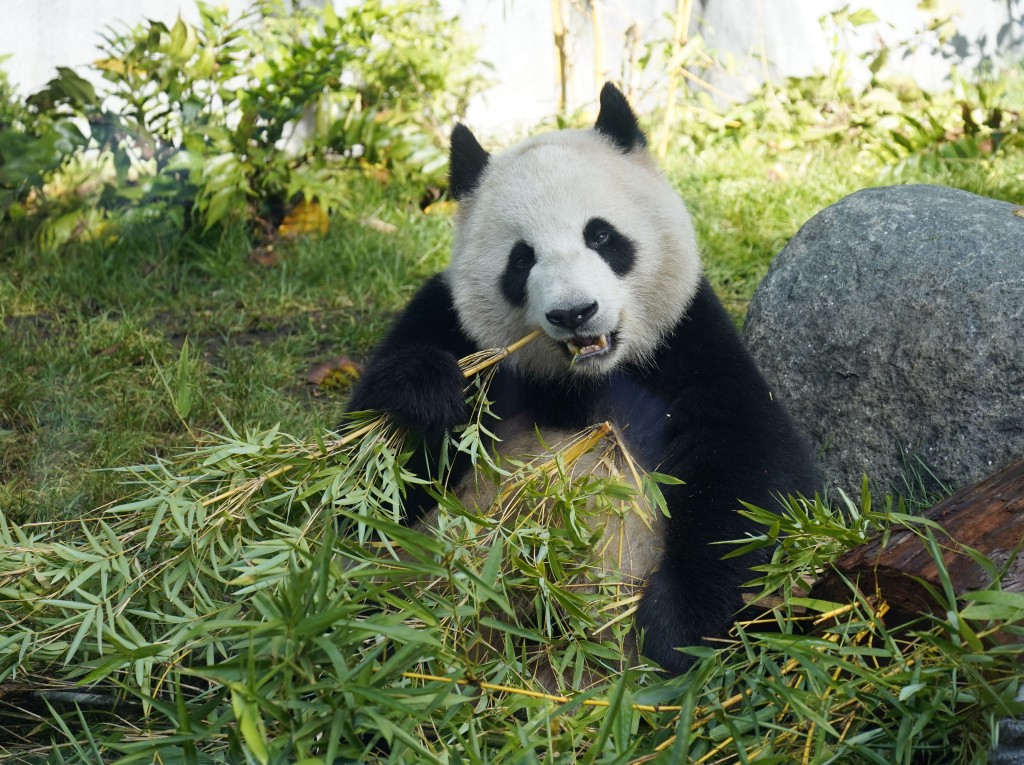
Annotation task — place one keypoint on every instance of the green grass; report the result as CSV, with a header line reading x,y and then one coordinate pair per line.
x,y
85,332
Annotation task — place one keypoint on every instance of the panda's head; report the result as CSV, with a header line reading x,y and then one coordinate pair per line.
x,y
575,232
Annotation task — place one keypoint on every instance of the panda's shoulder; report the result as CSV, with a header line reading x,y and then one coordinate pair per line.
x,y
429,319
705,339
435,294
704,367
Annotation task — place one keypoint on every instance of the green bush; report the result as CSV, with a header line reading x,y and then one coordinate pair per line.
x,y
890,119
235,118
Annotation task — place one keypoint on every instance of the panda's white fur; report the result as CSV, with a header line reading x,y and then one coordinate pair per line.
x,y
577,233
519,197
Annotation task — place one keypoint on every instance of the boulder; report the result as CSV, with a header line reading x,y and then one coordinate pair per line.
x,y
1010,750
892,327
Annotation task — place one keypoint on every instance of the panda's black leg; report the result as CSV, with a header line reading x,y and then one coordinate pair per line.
x,y
679,610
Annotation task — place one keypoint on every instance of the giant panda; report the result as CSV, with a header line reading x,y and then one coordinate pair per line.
x,y
576,232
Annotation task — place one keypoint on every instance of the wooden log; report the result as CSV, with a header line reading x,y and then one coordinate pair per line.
x,y
987,517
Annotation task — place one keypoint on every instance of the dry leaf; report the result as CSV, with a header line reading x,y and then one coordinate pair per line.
x,y
442,207
379,225
340,372
305,218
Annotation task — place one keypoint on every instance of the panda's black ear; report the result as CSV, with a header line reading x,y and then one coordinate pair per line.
x,y
466,163
617,121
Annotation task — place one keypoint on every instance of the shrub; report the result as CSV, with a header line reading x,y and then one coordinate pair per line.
x,y
236,117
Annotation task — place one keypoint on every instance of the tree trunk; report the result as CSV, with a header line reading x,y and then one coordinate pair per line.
x,y
987,517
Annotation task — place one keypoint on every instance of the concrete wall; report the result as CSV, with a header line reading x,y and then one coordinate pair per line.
x,y
794,42
778,38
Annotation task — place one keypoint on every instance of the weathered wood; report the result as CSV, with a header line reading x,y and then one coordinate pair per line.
x,y
987,517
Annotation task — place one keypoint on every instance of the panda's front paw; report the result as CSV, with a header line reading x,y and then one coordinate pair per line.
x,y
680,609
422,389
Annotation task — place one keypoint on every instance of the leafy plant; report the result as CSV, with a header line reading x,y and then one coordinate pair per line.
x,y
32,147
241,117
888,119
258,599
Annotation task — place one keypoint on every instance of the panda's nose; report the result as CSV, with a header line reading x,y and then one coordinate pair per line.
x,y
571,318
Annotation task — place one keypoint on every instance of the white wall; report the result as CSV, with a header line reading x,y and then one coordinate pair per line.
x,y
40,35
793,39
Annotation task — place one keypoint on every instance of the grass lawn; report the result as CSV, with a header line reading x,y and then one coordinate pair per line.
x,y
112,351
91,334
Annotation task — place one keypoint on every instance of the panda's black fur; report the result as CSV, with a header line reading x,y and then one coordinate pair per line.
x,y
686,397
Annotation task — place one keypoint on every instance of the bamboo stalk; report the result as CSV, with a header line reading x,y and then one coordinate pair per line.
x,y
500,354
558,26
732,701
601,703
597,27
684,10
631,77
493,358
255,483
549,466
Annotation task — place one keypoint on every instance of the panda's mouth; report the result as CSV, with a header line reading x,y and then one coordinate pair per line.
x,y
582,348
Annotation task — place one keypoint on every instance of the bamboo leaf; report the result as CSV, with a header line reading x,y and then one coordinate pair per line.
x,y
250,723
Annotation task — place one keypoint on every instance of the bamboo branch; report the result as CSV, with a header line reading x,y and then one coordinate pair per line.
x,y
558,25
601,703
597,28
496,355
684,9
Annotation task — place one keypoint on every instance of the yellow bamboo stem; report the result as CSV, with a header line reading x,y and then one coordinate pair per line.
x,y
684,9
835,612
502,353
558,27
602,703
714,751
597,27
355,435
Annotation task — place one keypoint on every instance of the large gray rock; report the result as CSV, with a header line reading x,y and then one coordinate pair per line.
x,y
891,327
1011,741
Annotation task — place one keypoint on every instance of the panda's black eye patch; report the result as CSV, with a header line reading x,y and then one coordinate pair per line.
x,y
517,271
617,250
597,237
522,257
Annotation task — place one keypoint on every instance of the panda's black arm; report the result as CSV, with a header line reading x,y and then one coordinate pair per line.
x,y
413,374
728,439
